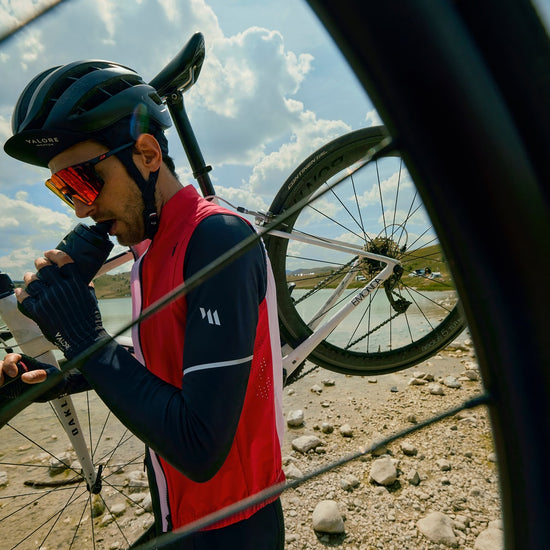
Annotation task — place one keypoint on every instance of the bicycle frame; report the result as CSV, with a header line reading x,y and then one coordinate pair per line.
x,y
293,359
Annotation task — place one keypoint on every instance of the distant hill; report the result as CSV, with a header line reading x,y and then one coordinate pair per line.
x,y
112,286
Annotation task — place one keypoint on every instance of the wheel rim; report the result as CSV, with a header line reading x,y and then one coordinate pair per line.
x,y
46,504
375,206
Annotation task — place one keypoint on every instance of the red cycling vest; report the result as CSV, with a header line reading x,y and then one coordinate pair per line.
x,y
254,460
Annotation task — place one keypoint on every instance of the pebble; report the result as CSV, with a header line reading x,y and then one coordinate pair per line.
x,y
346,430
137,481
452,382
436,389
316,389
295,419
327,428
327,518
383,471
60,463
438,527
117,509
306,443
408,448
490,539
349,482
292,472
3,479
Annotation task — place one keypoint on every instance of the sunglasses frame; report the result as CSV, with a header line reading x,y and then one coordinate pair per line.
x,y
96,186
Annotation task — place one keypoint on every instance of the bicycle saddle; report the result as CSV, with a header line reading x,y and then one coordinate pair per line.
x,y
183,71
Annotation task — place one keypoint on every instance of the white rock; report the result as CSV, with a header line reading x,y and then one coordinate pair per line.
x,y
117,509
452,382
106,520
292,472
490,539
443,465
383,471
327,428
349,482
327,518
408,448
137,481
438,528
306,443
346,431
3,479
60,463
436,389
316,388
147,503
295,418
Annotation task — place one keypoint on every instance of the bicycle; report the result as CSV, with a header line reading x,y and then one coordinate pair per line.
x,y
427,172
366,270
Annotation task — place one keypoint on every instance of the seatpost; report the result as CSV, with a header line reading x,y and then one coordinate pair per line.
x,y
177,110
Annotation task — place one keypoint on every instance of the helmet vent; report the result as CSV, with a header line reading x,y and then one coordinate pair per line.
x,y
106,90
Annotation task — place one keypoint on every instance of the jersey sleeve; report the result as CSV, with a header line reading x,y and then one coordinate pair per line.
x,y
193,427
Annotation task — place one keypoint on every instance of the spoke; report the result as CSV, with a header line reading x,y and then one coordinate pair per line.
x,y
336,222
397,194
361,225
381,200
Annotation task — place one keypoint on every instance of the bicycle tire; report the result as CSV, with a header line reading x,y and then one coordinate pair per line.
x,y
471,124
413,335
46,504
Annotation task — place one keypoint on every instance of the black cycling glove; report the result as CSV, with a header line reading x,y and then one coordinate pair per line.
x,y
13,387
65,308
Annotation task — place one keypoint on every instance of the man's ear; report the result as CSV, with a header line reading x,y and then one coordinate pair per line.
x,y
148,152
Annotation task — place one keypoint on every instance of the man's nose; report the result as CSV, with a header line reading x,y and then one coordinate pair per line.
x,y
81,209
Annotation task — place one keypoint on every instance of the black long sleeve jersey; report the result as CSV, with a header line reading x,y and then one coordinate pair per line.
x,y
200,418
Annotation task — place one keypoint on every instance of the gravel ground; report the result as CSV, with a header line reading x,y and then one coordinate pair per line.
x,y
448,468
434,489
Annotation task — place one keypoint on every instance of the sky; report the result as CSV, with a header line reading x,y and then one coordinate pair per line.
x,y
272,90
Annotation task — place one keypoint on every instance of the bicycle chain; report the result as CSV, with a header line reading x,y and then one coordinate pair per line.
x,y
373,330
326,280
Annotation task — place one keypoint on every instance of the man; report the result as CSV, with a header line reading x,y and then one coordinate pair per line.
x,y
208,403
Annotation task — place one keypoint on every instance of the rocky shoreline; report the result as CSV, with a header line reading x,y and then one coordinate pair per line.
x,y
437,488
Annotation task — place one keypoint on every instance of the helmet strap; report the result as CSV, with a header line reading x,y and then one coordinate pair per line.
x,y
147,188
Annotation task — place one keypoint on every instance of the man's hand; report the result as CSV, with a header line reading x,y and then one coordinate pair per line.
x,y
18,370
61,304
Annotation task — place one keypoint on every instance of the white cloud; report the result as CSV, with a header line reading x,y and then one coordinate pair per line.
x,y
27,232
252,118
309,134
372,118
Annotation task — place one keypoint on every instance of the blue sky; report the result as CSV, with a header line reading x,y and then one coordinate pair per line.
x,y
272,90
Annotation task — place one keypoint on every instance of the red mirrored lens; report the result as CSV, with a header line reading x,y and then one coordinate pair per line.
x,y
79,181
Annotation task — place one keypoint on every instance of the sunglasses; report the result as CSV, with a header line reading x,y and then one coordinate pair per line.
x,y
80,180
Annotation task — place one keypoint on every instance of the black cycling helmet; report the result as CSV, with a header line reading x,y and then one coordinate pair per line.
x,y
100,100
71,103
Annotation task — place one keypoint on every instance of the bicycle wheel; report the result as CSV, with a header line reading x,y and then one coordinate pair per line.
x,y
44,500
376,206
465,91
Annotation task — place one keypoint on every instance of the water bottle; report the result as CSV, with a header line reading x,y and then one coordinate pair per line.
x,y
89,247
